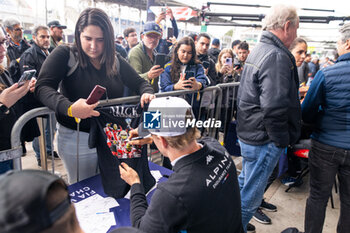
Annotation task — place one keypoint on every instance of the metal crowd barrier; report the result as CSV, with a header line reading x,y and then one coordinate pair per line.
x,y
15,153
210,102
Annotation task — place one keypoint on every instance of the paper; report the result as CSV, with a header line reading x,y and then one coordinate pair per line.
x,y
157,175
93,213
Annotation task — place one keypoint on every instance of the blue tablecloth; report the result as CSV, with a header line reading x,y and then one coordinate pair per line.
x,y
91,186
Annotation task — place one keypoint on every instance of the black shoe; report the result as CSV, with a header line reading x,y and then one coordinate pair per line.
x,y
268,206
39,162
250,228
259,216
54,155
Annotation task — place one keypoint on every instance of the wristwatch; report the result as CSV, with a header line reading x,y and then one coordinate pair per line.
x,y
4,109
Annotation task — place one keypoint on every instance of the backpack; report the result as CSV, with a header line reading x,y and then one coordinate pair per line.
x,y
14,67
14,70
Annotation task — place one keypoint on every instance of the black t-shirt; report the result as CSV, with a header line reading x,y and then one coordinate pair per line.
x,y
108,133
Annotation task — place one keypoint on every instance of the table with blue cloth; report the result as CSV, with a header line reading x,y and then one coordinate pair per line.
x,y
92,187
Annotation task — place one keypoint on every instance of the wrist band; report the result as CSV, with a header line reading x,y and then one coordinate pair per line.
x,y
69,111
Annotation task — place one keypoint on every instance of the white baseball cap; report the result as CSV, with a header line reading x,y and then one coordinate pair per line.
x,y
167,117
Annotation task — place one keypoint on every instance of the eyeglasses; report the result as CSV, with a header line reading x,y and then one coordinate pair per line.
x,y
18,29
5,43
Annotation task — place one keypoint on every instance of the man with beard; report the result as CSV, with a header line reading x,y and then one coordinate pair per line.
x,y
142,56
33,58
17,44
56,33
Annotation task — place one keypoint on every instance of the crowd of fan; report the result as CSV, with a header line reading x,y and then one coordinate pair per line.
x,y
267,113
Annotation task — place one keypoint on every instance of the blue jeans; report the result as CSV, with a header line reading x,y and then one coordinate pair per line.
x,y
6,166
48,137
257,166
67,150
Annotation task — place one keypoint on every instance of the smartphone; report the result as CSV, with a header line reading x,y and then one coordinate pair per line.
x,y
163,10
228,61
189,74
27,75
237,66
96,94
161,59
170,32
206,64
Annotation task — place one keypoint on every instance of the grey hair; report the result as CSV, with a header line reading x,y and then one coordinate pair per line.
x,y
39,28
10,22
279,15
345,32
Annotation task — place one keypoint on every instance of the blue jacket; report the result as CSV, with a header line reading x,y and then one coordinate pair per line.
x,y
164,45
165,83
327,104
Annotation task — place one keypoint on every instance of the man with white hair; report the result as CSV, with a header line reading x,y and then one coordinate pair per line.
x,y
327,106
17,44
313,66
268,117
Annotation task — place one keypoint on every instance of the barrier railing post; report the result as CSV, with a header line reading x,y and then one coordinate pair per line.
x,y
16,132
42,143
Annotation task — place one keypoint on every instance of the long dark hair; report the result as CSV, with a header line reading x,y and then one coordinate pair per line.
x,y
297,41
175,61
97,17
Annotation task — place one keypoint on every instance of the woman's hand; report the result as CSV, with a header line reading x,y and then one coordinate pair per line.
x,y
183,84
146,98
195,85
32,85
128,174
225,69
12,94
82,110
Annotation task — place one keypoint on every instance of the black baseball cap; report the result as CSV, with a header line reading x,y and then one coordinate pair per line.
x,y
56,23
23,201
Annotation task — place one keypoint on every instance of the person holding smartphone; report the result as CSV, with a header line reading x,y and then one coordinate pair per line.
x,y
10,93
224,66
142,57
97,64
184,71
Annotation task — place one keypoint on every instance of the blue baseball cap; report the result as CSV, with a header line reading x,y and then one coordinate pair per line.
x,y
216,42
152,27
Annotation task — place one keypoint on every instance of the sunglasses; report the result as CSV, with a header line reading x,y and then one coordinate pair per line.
x,y
18,29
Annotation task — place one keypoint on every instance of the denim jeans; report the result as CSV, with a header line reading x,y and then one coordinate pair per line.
x,y
6,166
67,150
48,138
324,163
257,166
